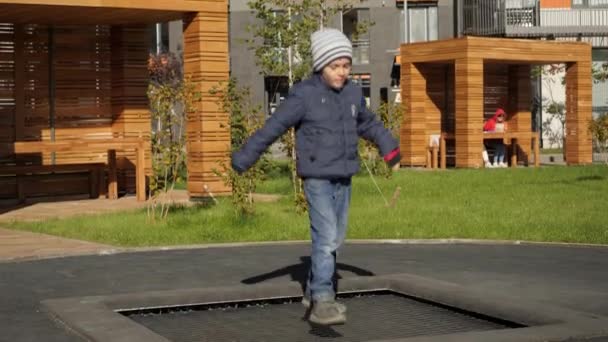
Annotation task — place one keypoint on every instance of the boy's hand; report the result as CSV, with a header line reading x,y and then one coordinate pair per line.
x,y
393,159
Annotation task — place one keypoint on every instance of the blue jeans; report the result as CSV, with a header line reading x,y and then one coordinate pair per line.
x,y
328,202
499,151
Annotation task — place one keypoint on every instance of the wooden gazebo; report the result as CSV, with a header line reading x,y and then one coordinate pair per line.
x,y
74,116
448,87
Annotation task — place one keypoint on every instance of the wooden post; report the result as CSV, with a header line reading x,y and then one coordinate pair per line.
x,y
140,173
469,112
93,182
578,143
101,177
434,156
21,188
513,152
536,144
112,181
414,138
206,64
443,150
518,109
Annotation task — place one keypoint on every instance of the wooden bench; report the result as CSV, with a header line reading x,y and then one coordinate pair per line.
x,y
508,138
107,145
25,174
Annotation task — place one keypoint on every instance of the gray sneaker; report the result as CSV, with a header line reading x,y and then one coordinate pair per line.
x,y
306,304
327,313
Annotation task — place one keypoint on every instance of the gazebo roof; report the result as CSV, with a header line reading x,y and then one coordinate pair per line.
x,y
514,51
75,12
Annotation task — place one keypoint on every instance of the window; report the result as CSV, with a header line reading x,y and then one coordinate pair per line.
x,y
589,3
421,24
350,24
276,89
365,82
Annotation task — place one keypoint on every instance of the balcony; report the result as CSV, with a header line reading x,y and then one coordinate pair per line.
x,y
525,19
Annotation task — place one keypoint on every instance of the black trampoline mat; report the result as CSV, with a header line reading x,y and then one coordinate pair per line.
x,y
371,316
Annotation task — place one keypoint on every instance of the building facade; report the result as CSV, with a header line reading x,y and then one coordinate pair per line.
x,y
376,68
373,52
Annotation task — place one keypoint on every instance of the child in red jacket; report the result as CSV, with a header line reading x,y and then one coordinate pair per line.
x,y
495,124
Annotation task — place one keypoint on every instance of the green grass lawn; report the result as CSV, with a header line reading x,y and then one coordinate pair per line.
x,y
566,204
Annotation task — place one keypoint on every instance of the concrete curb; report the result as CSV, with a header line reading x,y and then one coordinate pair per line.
x,y
480,242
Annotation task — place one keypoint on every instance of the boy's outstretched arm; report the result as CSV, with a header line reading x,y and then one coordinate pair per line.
x,y
287,115
372,129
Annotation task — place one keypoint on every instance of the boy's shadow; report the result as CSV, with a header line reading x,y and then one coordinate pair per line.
x,y
299,273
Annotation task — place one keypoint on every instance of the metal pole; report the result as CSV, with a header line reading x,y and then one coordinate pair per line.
x,y
406,19
459,18
159,37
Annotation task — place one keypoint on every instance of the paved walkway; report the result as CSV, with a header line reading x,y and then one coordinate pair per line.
x,y
572,277
56,209
18,245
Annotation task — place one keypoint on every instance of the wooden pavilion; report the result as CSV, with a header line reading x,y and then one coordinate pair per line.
x,y
448,87
74,116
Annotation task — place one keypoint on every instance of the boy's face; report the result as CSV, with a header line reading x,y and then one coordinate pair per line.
x,y
337,72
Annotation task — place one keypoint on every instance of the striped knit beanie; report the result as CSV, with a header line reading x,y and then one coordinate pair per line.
x,y
328,45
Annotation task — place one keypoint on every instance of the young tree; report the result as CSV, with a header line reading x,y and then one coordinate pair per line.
x,y
390,114
244,120
171,97
599,131
599,126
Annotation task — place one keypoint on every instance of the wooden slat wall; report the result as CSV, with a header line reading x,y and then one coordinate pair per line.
x,y
520,100
7,89
81,62
36,110
495,88
90,65
137,6
436,96
578,112
492,49
448,123
101,80
413,129
469,106
8,186
206,64
130,111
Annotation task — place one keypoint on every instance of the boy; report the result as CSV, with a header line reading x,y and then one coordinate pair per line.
x,y
329,114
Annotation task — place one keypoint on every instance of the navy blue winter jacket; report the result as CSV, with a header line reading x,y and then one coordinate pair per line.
x,y
328,125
